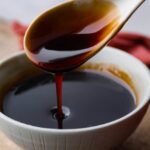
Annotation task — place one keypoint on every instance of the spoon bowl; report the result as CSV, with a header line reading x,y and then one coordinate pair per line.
x,y
65,36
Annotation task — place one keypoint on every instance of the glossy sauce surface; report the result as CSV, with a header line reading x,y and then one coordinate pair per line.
x,y
89,98
64,37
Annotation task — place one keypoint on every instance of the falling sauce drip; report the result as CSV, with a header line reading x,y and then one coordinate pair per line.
x,y
59,112
58,80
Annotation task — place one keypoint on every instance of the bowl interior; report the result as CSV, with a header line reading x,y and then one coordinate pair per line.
x,y
18,67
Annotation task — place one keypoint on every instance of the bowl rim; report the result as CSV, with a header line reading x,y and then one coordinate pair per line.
x,y
76,130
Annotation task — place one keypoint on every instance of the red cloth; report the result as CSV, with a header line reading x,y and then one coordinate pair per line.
x,y
19,29
135,44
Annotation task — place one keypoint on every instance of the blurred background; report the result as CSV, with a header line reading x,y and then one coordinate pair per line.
x,y
25,11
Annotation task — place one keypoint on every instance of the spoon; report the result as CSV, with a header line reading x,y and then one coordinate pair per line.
x,y
65,36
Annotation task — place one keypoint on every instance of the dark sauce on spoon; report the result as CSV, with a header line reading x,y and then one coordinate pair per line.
x,y
66,36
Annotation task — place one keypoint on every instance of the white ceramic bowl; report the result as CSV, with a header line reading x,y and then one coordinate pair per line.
x,y
101,137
